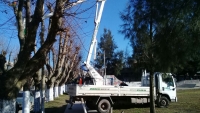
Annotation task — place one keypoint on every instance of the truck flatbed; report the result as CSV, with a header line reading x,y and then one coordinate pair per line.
x,y
94,90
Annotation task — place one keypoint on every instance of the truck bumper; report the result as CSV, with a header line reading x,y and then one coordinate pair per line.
x,y
174,100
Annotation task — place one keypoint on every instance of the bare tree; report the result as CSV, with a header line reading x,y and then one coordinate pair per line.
x,y
71,65
26,65
62,62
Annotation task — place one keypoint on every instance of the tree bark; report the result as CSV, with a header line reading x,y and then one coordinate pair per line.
x,y
152,100
56,92
42,92
57,71
13,80
37,97
37,102
65,88
60,90
26,102
50,94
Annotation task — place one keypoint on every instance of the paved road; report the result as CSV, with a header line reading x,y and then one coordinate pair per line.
x,y
77,108
189,86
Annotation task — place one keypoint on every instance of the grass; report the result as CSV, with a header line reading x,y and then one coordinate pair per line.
x,y
56,106
188,102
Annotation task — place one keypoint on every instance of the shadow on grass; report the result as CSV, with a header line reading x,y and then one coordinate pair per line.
x,y
128,106
56,109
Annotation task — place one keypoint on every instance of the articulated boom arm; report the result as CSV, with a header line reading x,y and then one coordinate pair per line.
x,y
97,78
97,22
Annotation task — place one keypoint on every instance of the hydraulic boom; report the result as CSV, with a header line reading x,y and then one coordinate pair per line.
x,y
97,78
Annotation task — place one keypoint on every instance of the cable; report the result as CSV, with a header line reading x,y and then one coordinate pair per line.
x,y
77,36
7,21
9,41
74,20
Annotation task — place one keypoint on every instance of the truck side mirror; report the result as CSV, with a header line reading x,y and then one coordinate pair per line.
x,y
172,88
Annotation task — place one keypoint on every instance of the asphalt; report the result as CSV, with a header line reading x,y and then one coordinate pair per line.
x,y
77,108
189,85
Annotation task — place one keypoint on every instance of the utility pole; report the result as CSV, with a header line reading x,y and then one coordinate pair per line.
x,y
104,60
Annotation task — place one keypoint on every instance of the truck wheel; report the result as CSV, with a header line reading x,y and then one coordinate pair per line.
x,y
164,102
103,106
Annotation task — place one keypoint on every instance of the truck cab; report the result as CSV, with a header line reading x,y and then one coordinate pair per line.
x,y
165,87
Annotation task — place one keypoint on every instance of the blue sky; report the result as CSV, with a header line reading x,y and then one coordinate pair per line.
x,y
110,20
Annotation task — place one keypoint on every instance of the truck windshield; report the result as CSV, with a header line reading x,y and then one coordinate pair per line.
x,y
167,78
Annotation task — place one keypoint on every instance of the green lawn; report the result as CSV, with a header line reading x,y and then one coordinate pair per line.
x,y
188,102
56,106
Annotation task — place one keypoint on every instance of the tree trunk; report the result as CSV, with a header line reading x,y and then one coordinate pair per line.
x,y
26,102
42,92
63,86
42,101
37,102
60,89
50,94
37,97
26,97
152,101
56,92
7,106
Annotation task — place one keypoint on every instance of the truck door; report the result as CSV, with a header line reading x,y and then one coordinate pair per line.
x,y
168,86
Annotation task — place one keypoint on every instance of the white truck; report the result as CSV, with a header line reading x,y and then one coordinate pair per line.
x,y
95,94
103,97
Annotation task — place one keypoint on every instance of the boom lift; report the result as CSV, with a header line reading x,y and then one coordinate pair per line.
x,y
97,78
102,97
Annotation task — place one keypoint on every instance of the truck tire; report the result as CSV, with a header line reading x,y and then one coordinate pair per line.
x,y
103,106
164,102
